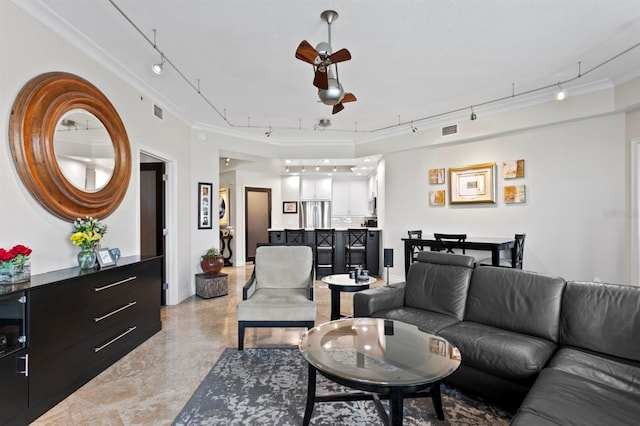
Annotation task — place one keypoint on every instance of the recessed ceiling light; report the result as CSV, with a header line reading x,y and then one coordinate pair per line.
x,y
326,161
366,160
287,161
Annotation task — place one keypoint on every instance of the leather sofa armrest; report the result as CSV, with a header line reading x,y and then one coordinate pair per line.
x,y
368,302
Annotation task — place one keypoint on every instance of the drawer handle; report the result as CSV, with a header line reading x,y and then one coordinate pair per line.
x,y
114,284
128,305
26,365
99,348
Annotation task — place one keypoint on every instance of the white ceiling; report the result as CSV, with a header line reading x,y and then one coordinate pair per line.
x,y
411,59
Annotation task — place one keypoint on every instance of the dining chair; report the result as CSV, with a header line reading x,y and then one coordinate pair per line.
x,y
325,245
516,258
448,242
415,235
356,246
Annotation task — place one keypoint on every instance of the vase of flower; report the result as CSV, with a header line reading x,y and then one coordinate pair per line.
x,y
87,234
86,258
15,266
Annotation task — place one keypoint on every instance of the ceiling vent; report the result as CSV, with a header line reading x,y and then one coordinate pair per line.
x,y
450,130
158,112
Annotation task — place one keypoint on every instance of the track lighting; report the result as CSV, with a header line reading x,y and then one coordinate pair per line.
x,y
335,169
303,169
413,128
157,68
317,168
268,132
287,169
473,115
560,93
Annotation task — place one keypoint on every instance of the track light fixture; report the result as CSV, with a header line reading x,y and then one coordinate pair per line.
x,y
317,168
560,93
157,68
287,169
473,115
268,132
413,128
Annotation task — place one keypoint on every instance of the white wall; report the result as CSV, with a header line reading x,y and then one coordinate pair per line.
x,y
29,49
575,183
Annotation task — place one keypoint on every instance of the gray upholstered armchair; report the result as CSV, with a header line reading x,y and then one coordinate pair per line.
x,y
279,292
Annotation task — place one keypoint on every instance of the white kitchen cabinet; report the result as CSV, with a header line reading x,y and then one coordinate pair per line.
x,y
349,198
315,189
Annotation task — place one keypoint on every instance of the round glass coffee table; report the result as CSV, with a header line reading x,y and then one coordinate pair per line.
x,y
339,283
386,359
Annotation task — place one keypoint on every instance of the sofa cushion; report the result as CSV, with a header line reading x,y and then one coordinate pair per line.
x,y
613,323
500,352
562,398
439,282
431,322
613,372
515,300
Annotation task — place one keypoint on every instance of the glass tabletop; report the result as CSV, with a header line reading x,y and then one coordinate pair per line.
x,y
343,279
378,351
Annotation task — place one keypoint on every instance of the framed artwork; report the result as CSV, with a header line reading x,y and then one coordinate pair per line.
x,y
436,176
204,205
104,257
223,206
436,198
514,194
290,207
473,184
513,169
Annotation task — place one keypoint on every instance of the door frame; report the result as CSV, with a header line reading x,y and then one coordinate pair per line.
x,y
248,189
160,168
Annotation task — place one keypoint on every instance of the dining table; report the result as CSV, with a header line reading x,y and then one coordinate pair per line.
x,y
495,245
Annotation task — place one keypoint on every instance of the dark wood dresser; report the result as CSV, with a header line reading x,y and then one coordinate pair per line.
x,y
81,322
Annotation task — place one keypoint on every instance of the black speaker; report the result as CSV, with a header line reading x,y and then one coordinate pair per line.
x,y
388,257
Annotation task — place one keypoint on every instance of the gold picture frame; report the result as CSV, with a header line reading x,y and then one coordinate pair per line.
x,y
436,198
475,184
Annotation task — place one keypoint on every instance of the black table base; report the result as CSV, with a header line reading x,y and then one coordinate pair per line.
x,y
395,395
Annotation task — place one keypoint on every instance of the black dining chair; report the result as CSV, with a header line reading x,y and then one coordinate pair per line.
x,y
415,235
517,255
448,242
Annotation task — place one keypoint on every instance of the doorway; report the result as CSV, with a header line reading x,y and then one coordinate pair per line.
x,y
152,214
257,218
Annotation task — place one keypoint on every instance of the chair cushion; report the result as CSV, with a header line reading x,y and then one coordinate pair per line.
x,y
503,353
431,322
614,318
562,398
515,300
283,266
612,372
274,304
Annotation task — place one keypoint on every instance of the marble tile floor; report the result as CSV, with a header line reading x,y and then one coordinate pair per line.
x,y
151,384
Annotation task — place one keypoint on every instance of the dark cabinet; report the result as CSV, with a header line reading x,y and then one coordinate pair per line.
x,y
13,391
80,323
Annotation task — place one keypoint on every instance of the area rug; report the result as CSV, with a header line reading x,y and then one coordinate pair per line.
x,y
269,387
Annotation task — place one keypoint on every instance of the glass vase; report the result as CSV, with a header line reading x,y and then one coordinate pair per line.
x,y
13,273
86,258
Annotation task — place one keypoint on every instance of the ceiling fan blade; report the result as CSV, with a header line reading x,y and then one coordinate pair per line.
x,y
349,97
306,52
337,108
340,56
321,80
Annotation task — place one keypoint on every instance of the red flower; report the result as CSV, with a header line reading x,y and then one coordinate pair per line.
x,y
5,255
15,251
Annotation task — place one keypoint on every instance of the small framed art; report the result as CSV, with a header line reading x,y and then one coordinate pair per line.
x,y
436,198
513,169
515,194
289,207
104,257
436,176
204,205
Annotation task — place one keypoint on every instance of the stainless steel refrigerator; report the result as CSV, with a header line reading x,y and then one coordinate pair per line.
x,y
315,214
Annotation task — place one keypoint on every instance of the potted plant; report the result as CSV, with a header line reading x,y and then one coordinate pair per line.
x,y
211,261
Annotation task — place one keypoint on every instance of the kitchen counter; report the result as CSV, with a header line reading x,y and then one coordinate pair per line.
x,y
277,236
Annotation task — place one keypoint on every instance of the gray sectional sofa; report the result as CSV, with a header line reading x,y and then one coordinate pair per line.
x,y
563,352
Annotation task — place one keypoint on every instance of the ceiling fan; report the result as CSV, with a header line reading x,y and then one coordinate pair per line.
x,y
325,64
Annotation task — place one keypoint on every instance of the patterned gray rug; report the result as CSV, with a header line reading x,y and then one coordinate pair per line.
x,y
269,387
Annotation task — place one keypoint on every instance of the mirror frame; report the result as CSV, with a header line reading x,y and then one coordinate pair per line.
x,y
34,117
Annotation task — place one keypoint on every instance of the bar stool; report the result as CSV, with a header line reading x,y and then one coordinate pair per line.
x,y
294,236
356,246
325,240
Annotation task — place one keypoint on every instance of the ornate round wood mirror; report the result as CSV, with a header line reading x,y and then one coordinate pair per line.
x,y
45,108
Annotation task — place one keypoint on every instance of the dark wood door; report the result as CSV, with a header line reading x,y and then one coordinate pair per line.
x,y
257,217
152,215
